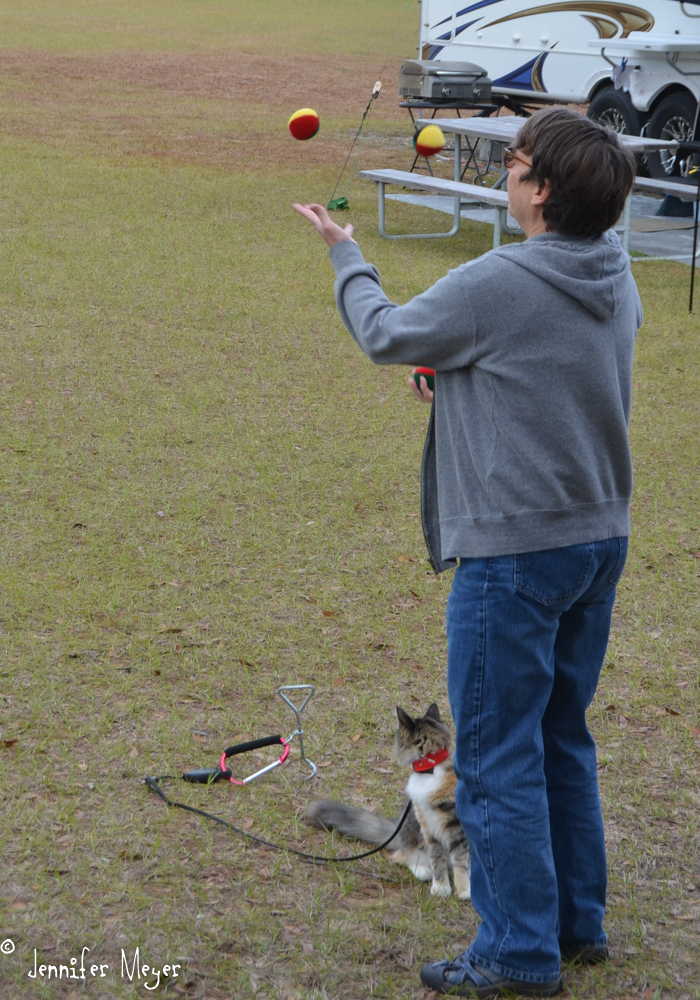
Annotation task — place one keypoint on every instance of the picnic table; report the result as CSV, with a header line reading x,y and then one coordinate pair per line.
x,y
501,132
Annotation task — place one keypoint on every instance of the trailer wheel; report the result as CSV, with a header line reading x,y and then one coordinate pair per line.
x,y
613,109
674,118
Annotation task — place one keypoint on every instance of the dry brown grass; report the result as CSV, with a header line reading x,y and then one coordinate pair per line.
x,y
228,109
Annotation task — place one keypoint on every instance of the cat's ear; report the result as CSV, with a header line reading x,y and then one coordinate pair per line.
x,y
433,713
403,717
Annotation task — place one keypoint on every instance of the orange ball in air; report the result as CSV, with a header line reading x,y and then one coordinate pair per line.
x,y
429,141
304,123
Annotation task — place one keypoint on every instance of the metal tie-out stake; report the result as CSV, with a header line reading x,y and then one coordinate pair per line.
x,y
297,712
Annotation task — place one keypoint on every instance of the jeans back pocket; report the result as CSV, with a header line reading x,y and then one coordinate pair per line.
x,y
554,576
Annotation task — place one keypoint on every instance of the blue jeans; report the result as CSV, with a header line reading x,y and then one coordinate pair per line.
x,y
527,635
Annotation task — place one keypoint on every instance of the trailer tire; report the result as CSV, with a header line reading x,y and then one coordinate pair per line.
x,y
614,109
673,118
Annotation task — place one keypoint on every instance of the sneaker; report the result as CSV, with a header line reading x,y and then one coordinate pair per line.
x,y
460,978
584,954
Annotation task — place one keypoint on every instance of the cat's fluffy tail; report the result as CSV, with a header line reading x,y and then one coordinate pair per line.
x,y
350,821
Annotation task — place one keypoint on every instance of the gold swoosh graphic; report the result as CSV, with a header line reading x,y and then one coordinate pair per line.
x,y
536,75
628,18
605,28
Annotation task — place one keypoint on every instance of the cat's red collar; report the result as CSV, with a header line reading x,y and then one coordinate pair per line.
x,y
430,760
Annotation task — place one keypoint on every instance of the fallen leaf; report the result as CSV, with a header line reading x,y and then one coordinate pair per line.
x,y
325,763
356,737
416,595
174,583
82,765
360,505
383,770
247,823
11,743
78,524
671,711
307,947
328,614
338,682
610,708
174,630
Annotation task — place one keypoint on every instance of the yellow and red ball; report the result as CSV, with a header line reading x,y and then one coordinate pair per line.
x,y
304,123
429,141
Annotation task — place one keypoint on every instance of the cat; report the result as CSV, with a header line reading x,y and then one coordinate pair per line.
x,y
431,840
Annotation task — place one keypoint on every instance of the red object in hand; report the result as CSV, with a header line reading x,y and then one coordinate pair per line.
x,y
429,376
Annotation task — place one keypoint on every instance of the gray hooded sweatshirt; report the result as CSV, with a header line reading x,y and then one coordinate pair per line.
x,y
532,345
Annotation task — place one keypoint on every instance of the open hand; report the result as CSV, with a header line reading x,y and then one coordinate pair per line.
x,y
319,218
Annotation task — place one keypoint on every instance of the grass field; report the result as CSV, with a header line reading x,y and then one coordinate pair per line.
x,y
207,491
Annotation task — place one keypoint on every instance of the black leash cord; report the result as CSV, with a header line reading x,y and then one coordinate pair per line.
x,y
153,783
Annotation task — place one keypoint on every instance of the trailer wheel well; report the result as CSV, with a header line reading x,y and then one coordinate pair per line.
x,y
601,85
673,88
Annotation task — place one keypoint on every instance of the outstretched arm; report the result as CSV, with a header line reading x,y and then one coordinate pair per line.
x,y
436,328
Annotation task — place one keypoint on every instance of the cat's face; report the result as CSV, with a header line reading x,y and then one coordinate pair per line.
x,y
417,737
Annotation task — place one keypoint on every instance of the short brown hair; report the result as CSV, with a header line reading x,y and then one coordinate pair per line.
x,y
589,170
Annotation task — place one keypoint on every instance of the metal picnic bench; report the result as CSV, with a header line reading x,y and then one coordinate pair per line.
x,y
501,131
436,185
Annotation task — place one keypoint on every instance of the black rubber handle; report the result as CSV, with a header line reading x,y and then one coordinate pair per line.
x,y
266,741
205,775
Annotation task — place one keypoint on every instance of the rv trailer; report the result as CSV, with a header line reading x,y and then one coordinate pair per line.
x,y
637,65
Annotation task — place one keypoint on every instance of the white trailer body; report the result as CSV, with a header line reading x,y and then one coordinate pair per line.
x,y
565,52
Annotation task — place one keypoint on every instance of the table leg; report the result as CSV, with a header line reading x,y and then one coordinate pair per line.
x,y
625,228
497,225
381,211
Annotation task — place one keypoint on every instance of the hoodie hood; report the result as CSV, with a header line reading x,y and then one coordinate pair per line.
x,y
593,272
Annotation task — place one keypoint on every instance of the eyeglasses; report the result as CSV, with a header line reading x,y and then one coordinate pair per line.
x,y
509,158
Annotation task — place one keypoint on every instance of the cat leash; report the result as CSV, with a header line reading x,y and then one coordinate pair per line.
x,y
153,783
209,776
